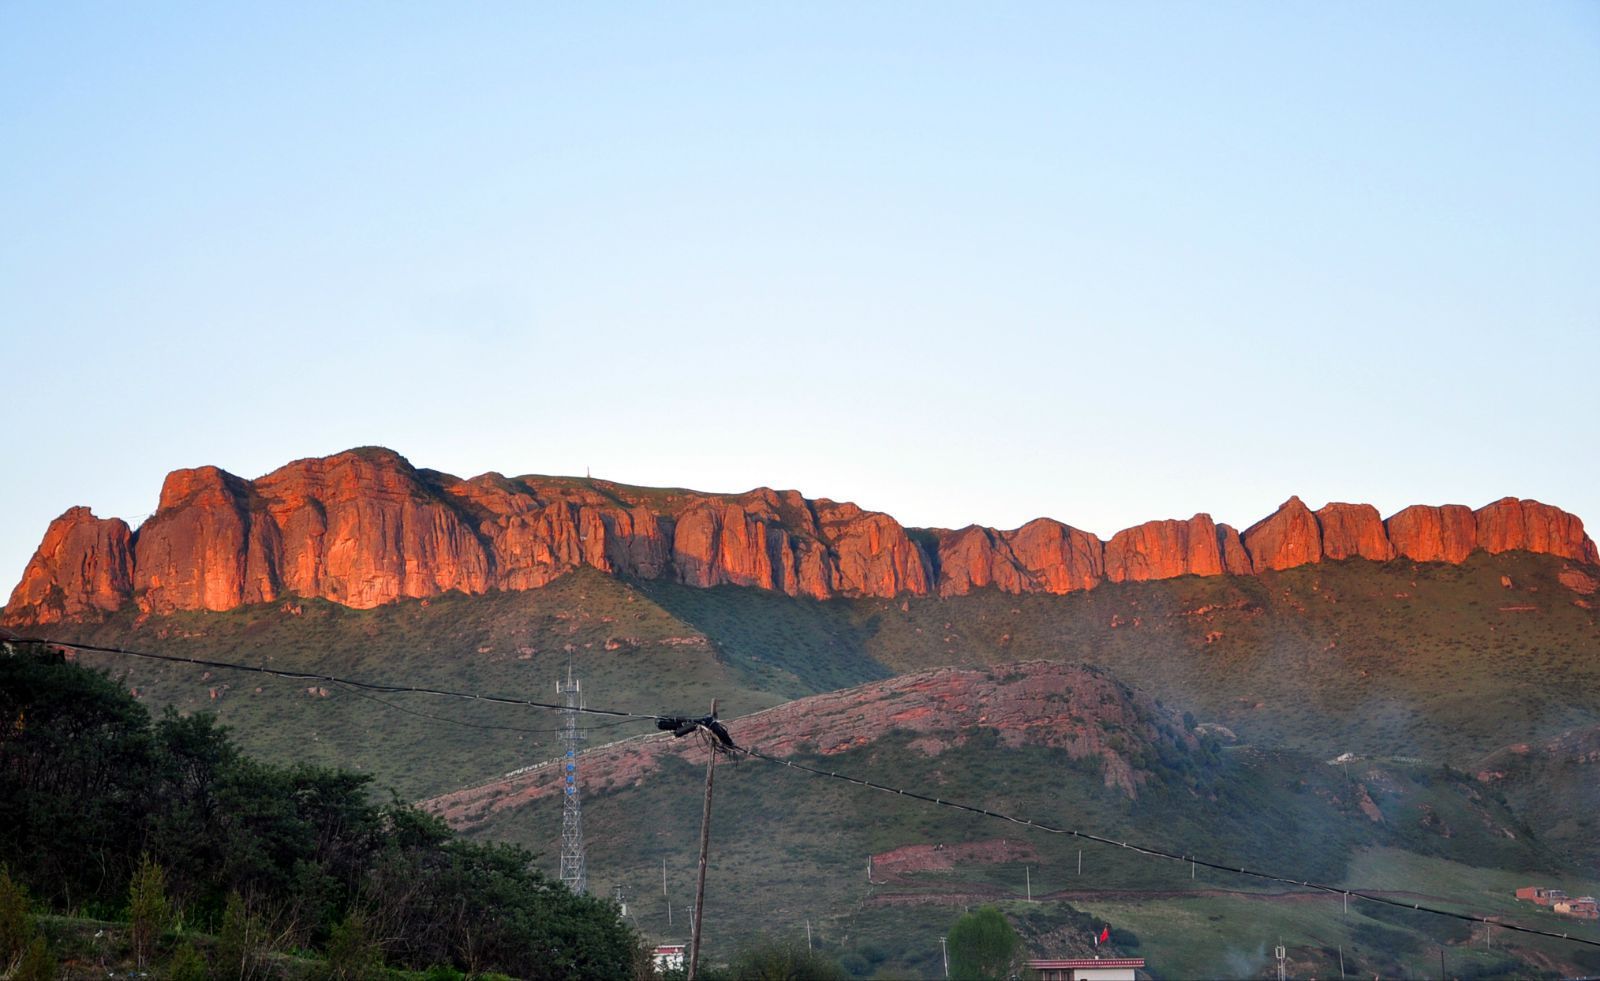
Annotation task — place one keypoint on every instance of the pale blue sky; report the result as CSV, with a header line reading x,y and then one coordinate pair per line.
x,y
1105,262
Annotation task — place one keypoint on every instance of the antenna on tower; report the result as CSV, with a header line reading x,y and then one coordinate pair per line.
x,y
573,873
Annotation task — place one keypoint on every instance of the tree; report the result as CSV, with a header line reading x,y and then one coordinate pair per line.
x,y
353,955
17,925
241,943
983,945
149,911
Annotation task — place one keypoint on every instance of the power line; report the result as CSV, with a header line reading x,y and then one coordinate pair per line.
x,y
331,679
1158,852
474,725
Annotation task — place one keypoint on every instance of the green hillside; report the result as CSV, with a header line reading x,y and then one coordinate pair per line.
x,y
1420,671
628,652
1432,661
789,847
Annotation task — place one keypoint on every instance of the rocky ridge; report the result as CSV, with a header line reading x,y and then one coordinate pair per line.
x,y
1079,709
365,527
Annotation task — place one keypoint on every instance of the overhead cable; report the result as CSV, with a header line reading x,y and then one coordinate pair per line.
x,y
331,679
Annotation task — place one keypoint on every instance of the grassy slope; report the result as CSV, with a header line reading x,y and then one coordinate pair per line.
x,y
629,653
1385,660
788,847
1392,659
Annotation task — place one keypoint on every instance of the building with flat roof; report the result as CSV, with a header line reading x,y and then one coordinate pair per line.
x,y
1088,968
668,957
1540,895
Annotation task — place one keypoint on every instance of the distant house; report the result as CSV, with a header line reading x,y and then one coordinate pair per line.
x,y
668,957
1088,968
1583,907
1540,895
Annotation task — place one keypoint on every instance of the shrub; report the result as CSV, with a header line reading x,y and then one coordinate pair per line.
x,y
17,925
353,955
241,942
149,911
769,959
186,964
37,963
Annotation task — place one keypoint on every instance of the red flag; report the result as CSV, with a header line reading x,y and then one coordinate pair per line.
x,y
1105,934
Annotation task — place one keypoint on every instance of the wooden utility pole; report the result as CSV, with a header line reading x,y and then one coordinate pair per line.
x,y
705,845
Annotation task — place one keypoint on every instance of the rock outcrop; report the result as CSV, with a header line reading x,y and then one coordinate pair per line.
x,y
83,566
1352,531
1080,710
1290,536
1165,549
1448,533
1043,556
1528,526
365,527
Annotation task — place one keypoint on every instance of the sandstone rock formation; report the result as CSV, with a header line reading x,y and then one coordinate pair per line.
x,y
1043,556
365,527
1235,560
1289,537
83,566
1448,533
1353,531
1512,525
1164,549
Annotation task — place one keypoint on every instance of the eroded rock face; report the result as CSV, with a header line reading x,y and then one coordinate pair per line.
x,y
1354,531
1510,524
84,566
364,528
1059,558
873,555
1289,537
975,557
1043,556
204,548
1235,560
1165,549
1422,533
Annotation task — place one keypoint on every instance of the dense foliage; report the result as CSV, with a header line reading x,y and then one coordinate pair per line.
x,y
983,944
95,798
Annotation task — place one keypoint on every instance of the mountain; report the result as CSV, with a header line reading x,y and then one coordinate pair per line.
x,y
1180,684
364,528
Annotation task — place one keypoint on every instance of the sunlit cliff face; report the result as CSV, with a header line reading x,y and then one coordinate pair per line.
x,y
364,528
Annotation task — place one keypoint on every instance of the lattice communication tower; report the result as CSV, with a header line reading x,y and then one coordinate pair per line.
x,y
573,872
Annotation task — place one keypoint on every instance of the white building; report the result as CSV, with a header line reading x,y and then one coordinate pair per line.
x,y
669,957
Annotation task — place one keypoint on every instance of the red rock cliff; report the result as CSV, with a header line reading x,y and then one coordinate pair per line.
x,y
1287,538
364,528
83,566
1434,534
1165,549
1043,556
1354,531
1509,524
